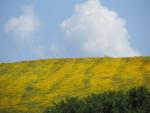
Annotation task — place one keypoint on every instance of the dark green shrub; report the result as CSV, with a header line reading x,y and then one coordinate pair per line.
x,y
136,100
139,99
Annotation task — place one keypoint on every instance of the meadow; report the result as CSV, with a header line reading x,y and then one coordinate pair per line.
x,y
32,86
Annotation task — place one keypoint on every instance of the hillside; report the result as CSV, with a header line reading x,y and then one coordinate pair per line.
x,y
31,86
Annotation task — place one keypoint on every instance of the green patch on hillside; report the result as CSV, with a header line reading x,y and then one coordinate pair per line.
x,y
136,100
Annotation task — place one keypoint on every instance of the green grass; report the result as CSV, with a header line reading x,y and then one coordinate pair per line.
x,y
31,86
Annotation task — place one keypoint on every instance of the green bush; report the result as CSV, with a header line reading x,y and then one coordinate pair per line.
x,y
136,100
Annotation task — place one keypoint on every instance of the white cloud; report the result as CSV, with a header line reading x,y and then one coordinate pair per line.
x,y
98,31
23,27
23,30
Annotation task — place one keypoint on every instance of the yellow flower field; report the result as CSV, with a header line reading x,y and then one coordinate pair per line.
x,y
31,86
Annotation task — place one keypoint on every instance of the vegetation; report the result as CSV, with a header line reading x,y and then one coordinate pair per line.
x,y
136,100
29,87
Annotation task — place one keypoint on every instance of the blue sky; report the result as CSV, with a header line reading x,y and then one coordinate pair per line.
x,y
38,29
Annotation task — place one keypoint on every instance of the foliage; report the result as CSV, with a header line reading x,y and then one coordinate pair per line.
x,y
136,100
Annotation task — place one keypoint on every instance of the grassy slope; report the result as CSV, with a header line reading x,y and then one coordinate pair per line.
x,y
32,86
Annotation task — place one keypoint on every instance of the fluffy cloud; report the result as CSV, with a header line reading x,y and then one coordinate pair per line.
x,y
23,27
98,31
23,30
